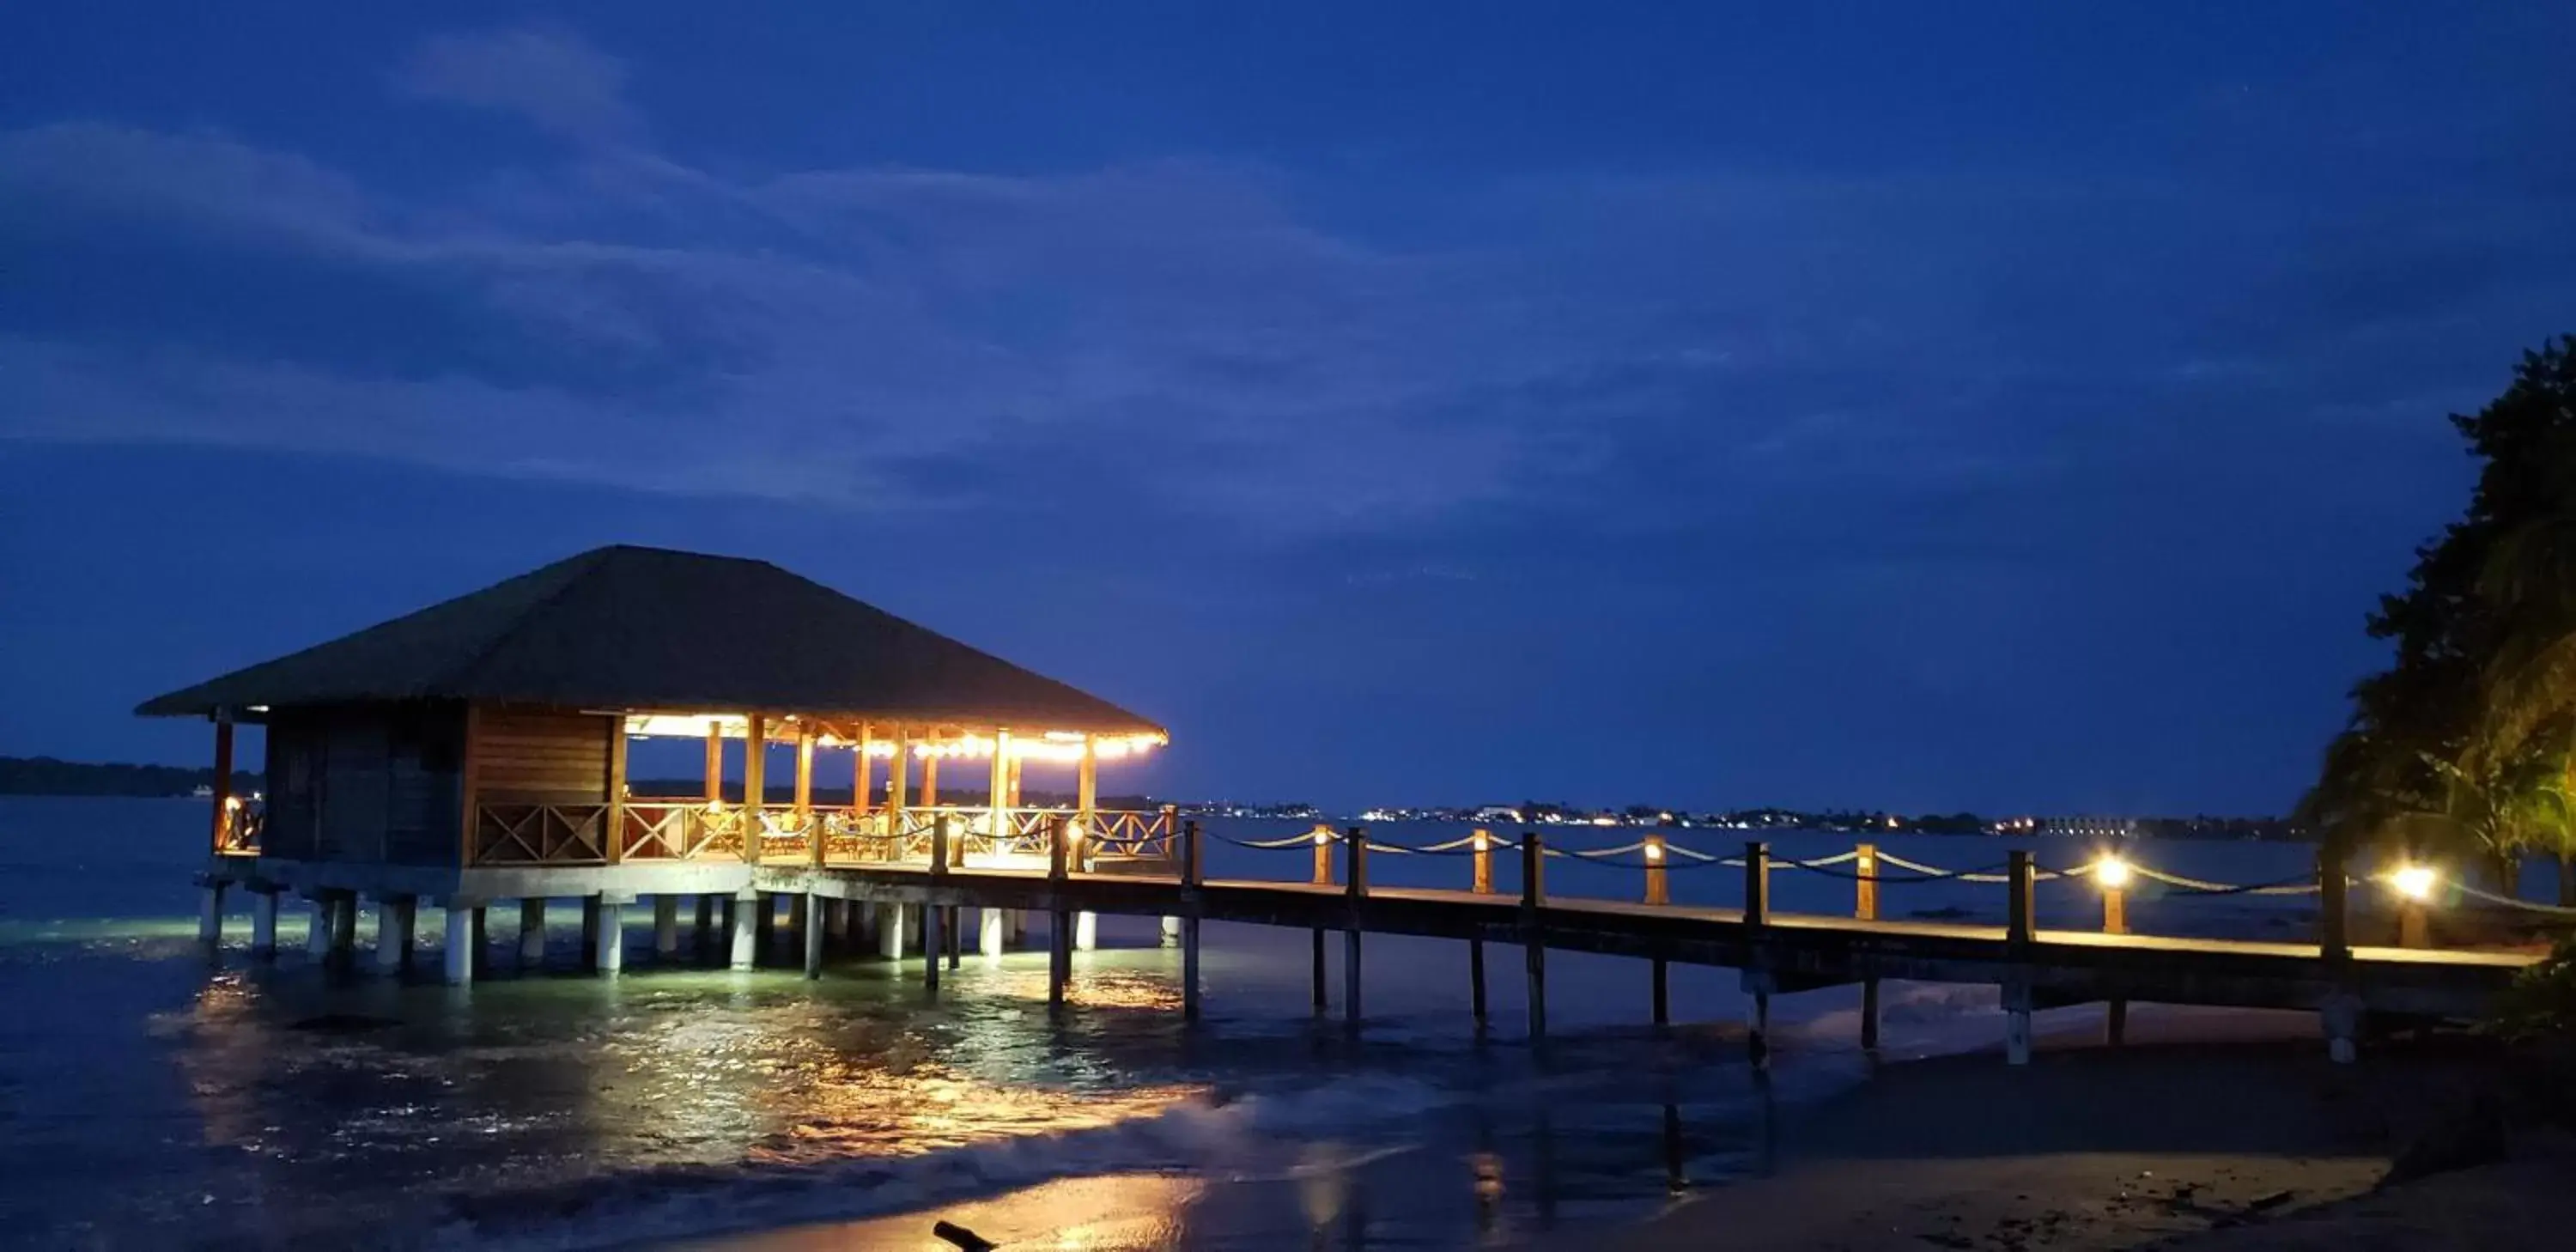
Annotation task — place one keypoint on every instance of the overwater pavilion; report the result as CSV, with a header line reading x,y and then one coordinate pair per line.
x,y
477,751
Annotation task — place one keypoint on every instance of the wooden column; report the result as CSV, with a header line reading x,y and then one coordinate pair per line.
x,y
755,786
859,770
804,769
1015,782
468,803
715,762
1482,850
1086,781
613,840
1658,886
999,797
221,823
899,779
930,782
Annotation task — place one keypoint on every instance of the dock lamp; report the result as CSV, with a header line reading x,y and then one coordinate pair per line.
x,y
2414,884
2111,874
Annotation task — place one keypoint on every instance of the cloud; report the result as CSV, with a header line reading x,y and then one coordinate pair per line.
x,y
553,78
1155,340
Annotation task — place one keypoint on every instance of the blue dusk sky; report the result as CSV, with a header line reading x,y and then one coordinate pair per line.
x,y
2012,407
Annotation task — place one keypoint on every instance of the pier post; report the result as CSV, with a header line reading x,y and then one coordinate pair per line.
x,y
1865,908
934,917
263,923
1356,891
666,924
814,930
344,926
456,959
744,951
1658,884
764,926
1086,931
2019,929
800,915
956,937
532,933
394,916
2333,920
1059,919
1533,939
590,933
1662,993
1190,909
317,925
892,922
2020,925
1758,979
988,933
474,950
610,957
210,911
2339,1015
1481,849
1322,999
1323,877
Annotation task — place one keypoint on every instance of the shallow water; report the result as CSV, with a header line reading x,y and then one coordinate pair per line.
x,y
148,1099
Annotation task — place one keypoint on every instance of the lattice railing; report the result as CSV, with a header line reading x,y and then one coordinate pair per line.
x,y
540,834
679,830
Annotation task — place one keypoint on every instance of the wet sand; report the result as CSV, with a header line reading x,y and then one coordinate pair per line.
x,y
2208,1121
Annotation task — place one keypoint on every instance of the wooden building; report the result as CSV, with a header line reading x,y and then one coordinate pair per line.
x,y
477,750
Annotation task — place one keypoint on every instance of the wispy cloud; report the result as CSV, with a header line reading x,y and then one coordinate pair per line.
x,y
552,77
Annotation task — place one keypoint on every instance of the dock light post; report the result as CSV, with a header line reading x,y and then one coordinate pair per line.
x,y
1657,888
2414,884
1323,855
1865,908
1190,908
2111,874
1356,890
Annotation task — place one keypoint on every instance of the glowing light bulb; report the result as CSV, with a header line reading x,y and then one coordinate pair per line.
x,y
2111,873
1654,852
2415,882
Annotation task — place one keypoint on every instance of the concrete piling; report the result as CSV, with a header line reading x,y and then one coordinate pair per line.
x,y
666,925
532,934
263,923
610,957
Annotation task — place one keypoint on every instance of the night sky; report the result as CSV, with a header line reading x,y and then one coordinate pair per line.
x,y
1884,406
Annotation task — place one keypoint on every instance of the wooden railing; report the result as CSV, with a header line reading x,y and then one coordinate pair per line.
x,y
540,834
653,830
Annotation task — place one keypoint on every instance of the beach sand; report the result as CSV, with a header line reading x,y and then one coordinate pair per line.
x,y
2211,1129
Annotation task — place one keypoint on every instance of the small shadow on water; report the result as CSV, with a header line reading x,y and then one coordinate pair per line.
x,y
342,1023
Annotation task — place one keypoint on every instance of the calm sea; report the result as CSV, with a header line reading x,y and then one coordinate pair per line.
x,y
149,1098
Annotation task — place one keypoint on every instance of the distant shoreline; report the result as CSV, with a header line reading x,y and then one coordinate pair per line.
x,y
51,776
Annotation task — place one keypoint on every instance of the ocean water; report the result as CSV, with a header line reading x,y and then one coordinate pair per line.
x,y
152,1098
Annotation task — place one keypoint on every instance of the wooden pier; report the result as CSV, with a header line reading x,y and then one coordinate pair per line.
x,y
476,753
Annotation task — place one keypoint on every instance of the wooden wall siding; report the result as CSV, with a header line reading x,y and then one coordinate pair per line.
x,y
293,790
357,789
541,758
424,749
373,784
